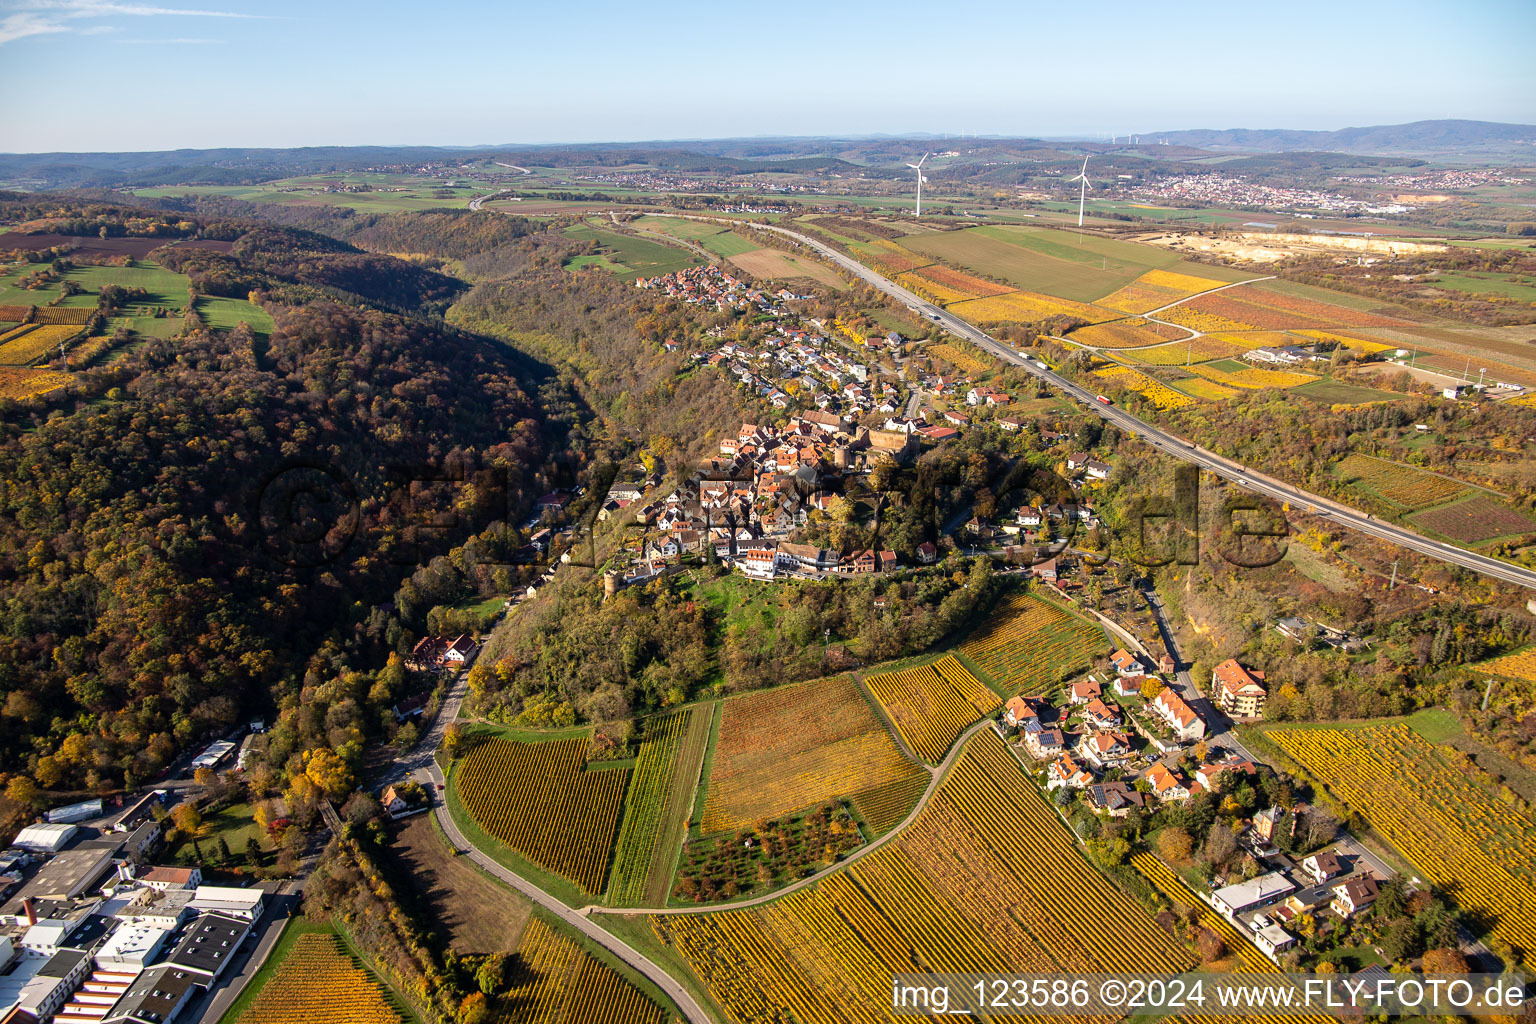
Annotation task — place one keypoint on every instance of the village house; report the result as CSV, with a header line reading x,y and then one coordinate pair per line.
x,y
1042,743
1029,516
1239,691
1178,716
1066,772
1322,866
1104,747
1116,799
1167,785
1353,896
1099,715
1125,663
1010,424
927,554
1096,470
1208,776
1020,710
1085,691
1128,685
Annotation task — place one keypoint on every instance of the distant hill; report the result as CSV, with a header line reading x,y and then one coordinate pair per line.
x,y
1474,139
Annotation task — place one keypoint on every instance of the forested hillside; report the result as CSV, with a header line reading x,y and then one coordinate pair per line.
x,y
161,568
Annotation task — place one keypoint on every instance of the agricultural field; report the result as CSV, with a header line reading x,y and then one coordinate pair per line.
x,y
26,345
987,879
631,257
788,748
767,856
1468,835
317,980
1210,391
772,264
1133,333
1251,378
1477,520
1075,267
1160,395
1275,311
1335,392
1178,353
543,802
1364,345
1203,322
560,983
931,705
1404,486
960,358
1026,308
1029,644
657,806
473,910
1157,288
1520,665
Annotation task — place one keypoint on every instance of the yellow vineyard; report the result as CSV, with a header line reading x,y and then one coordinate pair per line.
x,y
1254,378
1026,307
542,801
986,879
1177,353
18,383
1365,345
1424,801
1206,323
1520,665
932,704
1122,334
34,344
789,748
1028,644
959,358
1158,394
563,985
319,982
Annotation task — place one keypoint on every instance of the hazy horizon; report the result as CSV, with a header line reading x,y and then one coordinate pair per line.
x,y
125,76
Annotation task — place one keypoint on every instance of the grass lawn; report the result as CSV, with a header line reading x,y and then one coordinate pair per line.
x,y
1495,284
1337,393
147,326
165,287
225,314
728,243
235,825
633,257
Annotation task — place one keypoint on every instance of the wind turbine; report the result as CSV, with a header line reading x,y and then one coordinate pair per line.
x,y
1082,196
918,167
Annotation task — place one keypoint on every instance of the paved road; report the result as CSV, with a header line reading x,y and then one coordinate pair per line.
x,y
1171,444
575,918
1220,732
861,852
217,1001
420,764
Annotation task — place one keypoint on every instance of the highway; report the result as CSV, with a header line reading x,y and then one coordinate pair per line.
x,y
1171,444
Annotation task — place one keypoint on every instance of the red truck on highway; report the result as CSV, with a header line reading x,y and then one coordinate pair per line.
x,y
1105,400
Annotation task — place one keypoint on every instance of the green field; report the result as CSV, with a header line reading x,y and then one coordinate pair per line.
x,y
224,314
1488,284
1336,393
628,256
1055,262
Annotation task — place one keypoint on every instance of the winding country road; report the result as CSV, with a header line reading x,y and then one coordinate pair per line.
x,y
1171,444
859,854
425,765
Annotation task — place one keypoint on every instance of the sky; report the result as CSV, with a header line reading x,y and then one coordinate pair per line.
x,y
114,75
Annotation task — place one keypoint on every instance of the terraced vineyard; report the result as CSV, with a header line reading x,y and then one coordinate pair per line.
x,y
561,984
319,981
786,749
1029,644
959,358
932,705
987,879
544,803
1439,810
